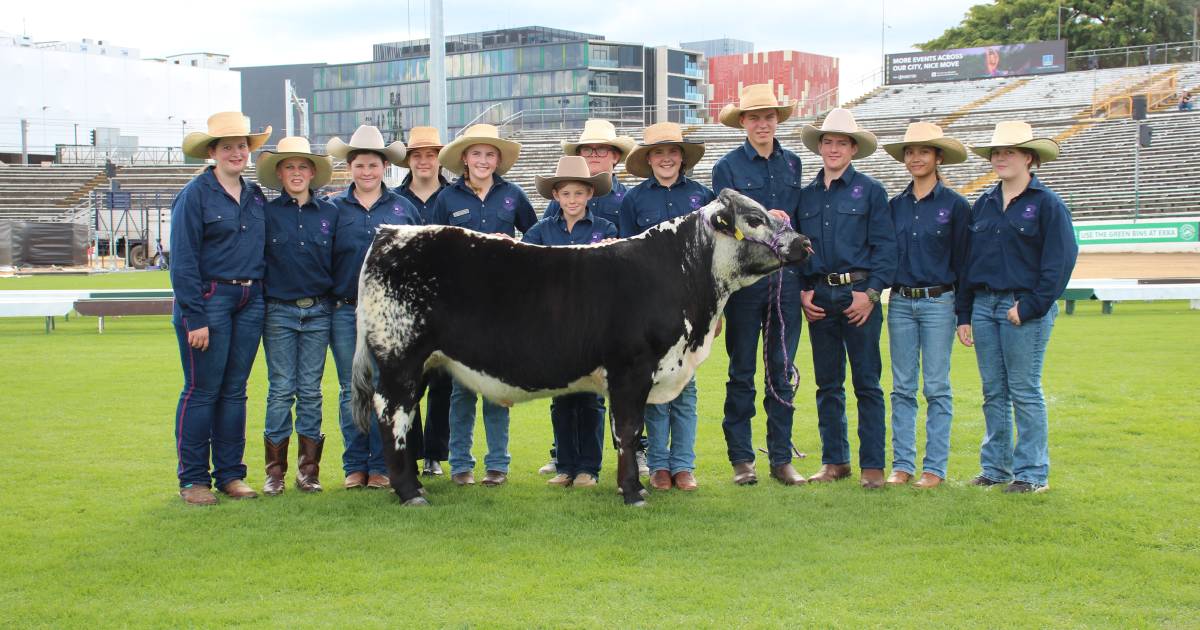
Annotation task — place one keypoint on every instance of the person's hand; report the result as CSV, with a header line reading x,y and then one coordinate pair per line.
x,y
781,215
812,312
198,338
964,335
1013,315
860,308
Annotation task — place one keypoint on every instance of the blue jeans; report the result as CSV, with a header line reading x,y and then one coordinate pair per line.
x,y
921,337
210,419
748,311
462,432
578,433
833,339
363,451
674,423
1010,368
294,341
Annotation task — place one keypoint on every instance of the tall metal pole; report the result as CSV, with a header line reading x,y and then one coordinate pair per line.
x,y
1137,152
24,141
289,119
437,70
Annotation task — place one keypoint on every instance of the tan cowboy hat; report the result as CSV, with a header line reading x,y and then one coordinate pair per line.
x,y
223,125
451,154
421,138
366,138
657,135
1018,135
839,120
596,131
572,168
754,97
289,147
930,135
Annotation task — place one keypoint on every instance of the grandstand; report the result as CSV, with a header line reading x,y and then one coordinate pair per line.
x,y
1094,176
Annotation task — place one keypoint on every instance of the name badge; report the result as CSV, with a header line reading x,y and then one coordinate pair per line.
x,y
460,213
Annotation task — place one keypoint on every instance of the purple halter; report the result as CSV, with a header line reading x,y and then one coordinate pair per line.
x,y
775,244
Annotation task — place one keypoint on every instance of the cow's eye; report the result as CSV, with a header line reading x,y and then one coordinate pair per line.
x,y
754,222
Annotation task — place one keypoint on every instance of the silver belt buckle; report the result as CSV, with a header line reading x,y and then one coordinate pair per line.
x,y
305,302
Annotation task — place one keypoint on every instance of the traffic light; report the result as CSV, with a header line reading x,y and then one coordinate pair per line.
x,y
1139,107
1145,135
93,137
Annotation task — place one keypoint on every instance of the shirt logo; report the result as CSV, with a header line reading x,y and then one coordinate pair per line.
x,y
1030,212
695,201
396,210
509,203
791,165
619,193
460,213
325,226
597,237
258,199
943,215
856,192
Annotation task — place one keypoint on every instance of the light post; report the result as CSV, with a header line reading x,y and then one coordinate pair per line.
x,y
562,103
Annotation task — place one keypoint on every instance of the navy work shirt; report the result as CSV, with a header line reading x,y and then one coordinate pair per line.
x,y
931,236
607,207
650,203
851,229
553,231
773,182
502,209
422,206
356,227
214,237
1028,248
299,248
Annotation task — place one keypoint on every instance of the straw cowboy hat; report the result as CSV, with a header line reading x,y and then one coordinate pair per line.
x,y
661,134
1018,135
754,97
223,125
596,131
367,138
572,168
930,135
451,154
839,120
421,138
289,147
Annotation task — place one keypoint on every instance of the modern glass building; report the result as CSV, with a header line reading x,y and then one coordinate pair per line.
x,y
531,77
675,87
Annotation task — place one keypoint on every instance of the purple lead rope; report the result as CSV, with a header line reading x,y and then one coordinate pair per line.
x,y
776,309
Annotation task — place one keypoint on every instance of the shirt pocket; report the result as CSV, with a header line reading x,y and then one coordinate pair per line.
x,y
852,210
1024,227
936,239
506,216
278,241
460,218
810,220
647,218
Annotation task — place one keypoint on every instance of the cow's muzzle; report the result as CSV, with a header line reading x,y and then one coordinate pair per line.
x,y
798,249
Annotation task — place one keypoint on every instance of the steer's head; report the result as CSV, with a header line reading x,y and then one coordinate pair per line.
x,y
751,242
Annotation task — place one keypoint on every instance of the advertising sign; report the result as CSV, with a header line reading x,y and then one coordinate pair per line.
x,y
983,62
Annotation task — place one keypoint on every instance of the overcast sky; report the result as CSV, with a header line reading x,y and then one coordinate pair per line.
x,y
302,31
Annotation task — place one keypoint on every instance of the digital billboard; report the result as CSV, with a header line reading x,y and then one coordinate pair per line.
x,y
983,62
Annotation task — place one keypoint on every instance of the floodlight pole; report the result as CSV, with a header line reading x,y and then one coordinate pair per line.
x,y
1137,151
437,69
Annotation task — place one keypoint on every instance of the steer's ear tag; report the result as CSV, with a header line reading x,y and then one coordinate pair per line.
x,y
737,233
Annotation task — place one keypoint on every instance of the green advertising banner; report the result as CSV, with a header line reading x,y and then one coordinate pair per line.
x,y
1126,233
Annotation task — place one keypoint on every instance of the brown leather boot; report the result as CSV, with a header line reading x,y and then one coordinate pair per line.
x,y
871,478
277,466
308,467
830,472
899,478
744,475
786,474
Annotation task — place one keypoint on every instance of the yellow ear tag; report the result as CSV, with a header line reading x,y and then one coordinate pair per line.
x,y
737,233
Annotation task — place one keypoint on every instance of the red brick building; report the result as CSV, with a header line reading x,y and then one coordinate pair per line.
x,y
797,76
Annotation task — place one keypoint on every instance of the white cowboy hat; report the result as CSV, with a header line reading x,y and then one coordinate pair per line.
x,y
572,168
930,135
1018,135
366,138
421,138
289,147
451,154
596,131
223,125
754,97
658,135
841,121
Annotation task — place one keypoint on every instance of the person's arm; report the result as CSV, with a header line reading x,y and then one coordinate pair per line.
x,y
610,231
534,235
722,176
525,216
437,212
1059,252
627,215
881,238
187,236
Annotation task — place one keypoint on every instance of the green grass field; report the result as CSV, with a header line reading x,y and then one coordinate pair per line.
x,y
93,534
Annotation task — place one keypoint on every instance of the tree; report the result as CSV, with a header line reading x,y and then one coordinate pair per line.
x,y
1086,24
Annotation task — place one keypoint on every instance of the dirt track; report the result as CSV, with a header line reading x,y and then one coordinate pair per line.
x,y
1181,265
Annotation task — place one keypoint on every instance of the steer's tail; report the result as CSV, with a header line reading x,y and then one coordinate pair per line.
x,y
362,381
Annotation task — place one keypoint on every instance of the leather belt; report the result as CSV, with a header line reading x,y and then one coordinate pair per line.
x,y
839,279
351,301
304,302
923,292
240,283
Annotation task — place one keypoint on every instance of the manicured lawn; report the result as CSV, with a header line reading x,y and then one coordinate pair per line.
x,y
93,535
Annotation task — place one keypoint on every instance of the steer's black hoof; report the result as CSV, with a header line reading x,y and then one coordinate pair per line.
x,y
416,502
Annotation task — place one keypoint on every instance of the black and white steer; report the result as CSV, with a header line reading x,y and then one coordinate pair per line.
x,y
629,319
